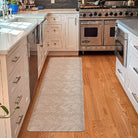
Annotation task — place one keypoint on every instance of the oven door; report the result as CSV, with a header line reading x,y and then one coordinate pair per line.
x,y
91,33
109,33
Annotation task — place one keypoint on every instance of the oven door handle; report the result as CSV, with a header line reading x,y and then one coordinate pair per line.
x,y
91,22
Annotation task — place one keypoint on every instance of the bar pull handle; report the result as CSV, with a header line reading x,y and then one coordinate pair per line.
x,y
20,120
135,97
136,70
17,80
119,71
136,47
18,100
15,59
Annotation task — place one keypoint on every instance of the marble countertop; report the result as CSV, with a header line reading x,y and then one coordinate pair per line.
x,y
130,24
8,41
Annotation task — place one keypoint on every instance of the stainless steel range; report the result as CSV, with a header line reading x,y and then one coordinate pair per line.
x,y
97,26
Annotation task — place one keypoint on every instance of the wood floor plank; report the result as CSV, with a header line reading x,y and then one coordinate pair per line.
x,y
108,111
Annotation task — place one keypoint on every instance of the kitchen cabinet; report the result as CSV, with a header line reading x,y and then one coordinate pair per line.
x,y
42,50
128,76
62,33
132,71
14,87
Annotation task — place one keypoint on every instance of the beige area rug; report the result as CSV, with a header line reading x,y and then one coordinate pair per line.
x,y
59,106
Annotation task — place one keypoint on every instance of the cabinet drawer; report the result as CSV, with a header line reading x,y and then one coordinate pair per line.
x,y
55,45
54,31
54,18
16,78
133,79
120,71
15,56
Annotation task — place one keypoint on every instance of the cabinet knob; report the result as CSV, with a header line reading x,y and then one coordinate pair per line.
x,y
54,30
54,43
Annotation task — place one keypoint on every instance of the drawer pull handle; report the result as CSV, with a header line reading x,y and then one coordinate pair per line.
x,y
136,70
136,47
17,80
19,98
119,71
20,120
135,97
15,59
54,19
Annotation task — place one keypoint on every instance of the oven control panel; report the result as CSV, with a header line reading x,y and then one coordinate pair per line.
x,y
108,13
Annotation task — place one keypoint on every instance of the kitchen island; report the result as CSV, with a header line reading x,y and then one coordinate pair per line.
x,y
128,75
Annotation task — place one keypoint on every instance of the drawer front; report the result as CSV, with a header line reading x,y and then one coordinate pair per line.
x,y
54,18
120,71
54,31
55,45
15,56
133,79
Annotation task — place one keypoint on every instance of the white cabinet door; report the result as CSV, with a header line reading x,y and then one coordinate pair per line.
x,y
72,31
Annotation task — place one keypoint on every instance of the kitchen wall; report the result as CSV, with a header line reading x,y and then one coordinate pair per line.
x,y
58,4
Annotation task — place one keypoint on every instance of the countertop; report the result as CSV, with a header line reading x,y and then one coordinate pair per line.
x,y
7,41
130,24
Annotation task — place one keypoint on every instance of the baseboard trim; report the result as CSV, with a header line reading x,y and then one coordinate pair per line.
x,y
63,53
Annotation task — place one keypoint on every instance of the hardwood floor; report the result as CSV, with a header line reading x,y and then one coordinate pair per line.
x,y
108,111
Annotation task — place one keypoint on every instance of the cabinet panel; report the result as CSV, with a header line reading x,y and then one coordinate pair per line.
x,y
72,33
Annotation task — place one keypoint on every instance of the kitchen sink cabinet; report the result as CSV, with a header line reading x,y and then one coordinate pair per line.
x,y
62,33
14,88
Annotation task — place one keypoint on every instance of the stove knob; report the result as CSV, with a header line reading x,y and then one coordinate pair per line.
x,y
95,13
90,14
106,14
111,13
99,14
131,14
120,13
115,14
126,13
84,14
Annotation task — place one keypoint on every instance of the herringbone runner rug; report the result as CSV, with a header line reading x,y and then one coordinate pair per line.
x,y
59,106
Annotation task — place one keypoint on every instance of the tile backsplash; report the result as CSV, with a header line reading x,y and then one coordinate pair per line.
x,y
58,4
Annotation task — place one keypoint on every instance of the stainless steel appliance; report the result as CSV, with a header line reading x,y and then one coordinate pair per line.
x,y
97,26
33,64
121,41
